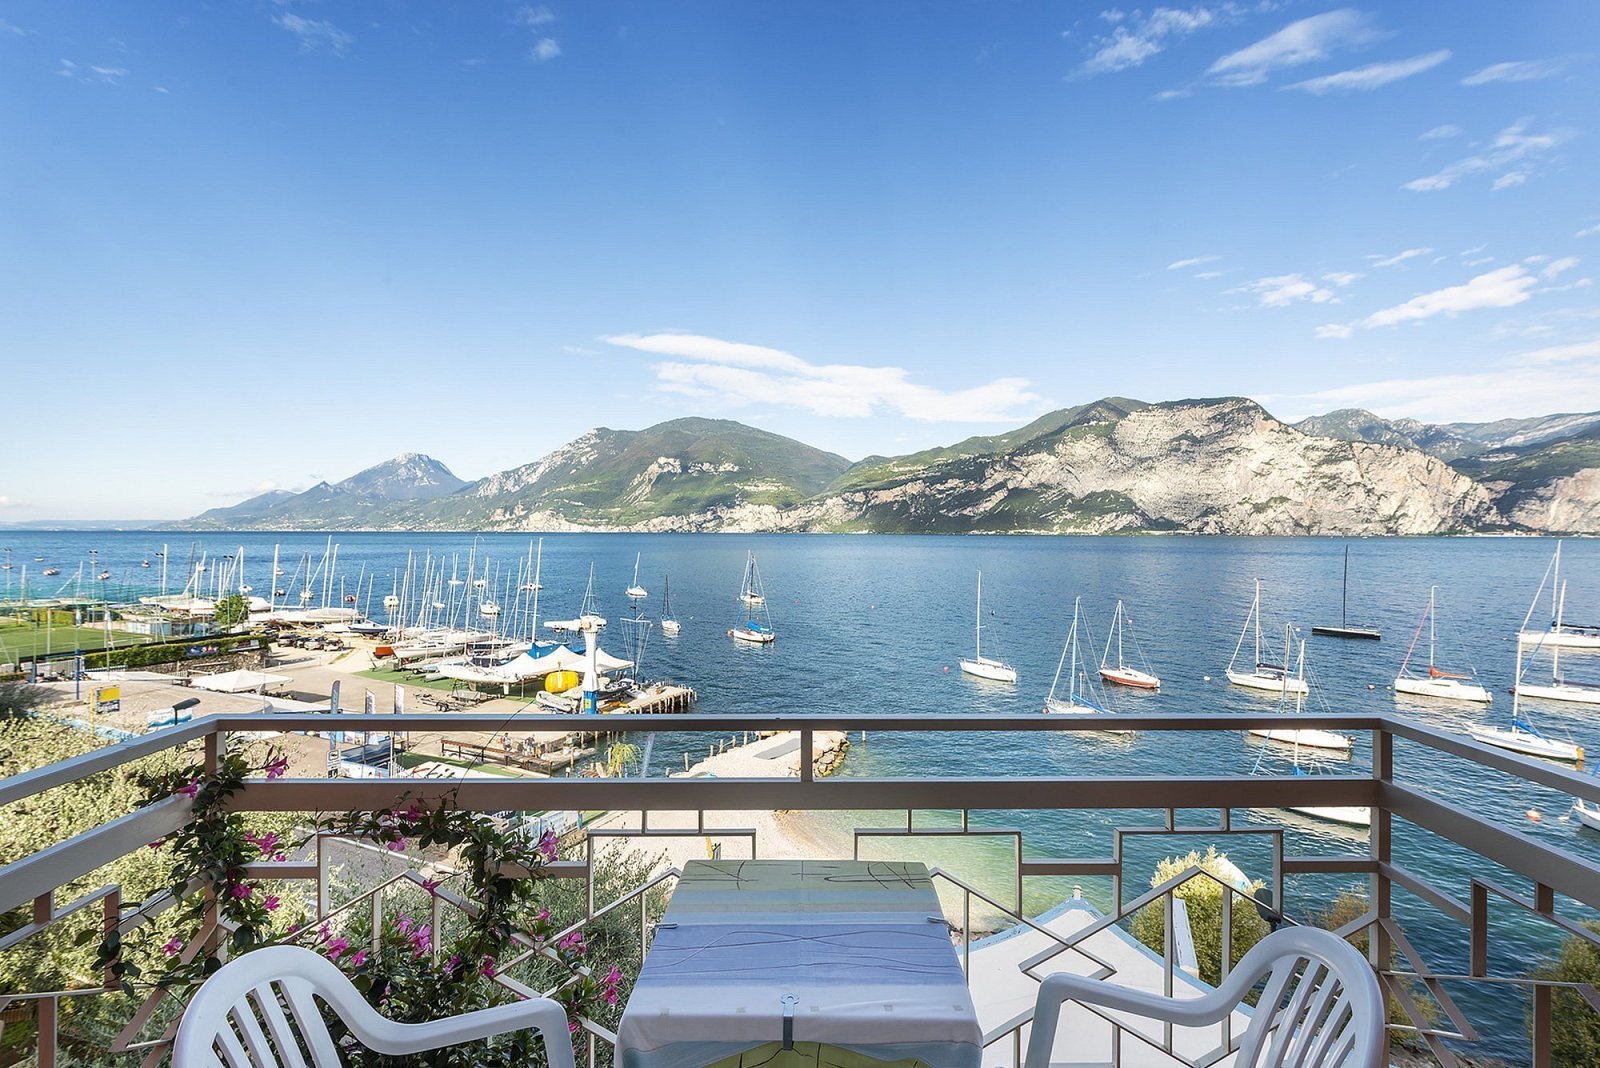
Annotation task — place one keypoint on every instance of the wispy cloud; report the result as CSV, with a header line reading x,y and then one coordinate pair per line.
x,y
1398,258
1305,41
740,373
1514,152
1341,278
1501,288
1554,379
315,35
106,75
544,50
1440,133
1522,71
1192,261
1280,291
12,28
11,502
1135,36
1372,75
532,15
1588,231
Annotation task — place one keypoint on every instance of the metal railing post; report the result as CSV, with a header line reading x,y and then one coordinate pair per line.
x,y
1379,945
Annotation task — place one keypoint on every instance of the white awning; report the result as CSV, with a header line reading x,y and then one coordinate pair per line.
x,y
238,681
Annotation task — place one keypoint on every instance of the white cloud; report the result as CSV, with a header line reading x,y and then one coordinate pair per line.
x,y
7,27
1209,274
1372,75
1513,145
1555,267
1440,133
1192,261
1562,378
1523,71
1588,231
1500,288
109,74
1136,37
1341,278
1399,257
532,15
315,34
1282,290
1306,41
1335,330
738,373
9,502
545,49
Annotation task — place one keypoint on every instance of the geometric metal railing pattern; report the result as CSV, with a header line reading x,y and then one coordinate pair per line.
x,y
1551,875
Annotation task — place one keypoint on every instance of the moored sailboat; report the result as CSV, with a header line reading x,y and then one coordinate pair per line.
x,y
757,626
1446,685
1559,688
1121,674
636,592
985,667
1344,629
1522,736
669,622
1560,633
1298,736
1080,698
1265,675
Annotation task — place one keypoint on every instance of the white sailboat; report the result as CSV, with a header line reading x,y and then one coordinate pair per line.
x,y
669,623
1522,736
1559,688
1265,675
981,666
1298,736
1349,815
1560,633
1121,674
1080,698
1446,685
757,626
636,592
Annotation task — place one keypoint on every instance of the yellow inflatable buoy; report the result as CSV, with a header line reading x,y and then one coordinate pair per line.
x,y
559,681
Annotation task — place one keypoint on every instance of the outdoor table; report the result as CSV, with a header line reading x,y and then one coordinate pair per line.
x,y
835,962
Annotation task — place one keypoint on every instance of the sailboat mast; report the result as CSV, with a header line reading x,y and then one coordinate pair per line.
x,y
1433,628
1555,646
1255,611
978,619
1344,596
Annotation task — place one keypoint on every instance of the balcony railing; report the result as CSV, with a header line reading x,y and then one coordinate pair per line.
x,y
1551,887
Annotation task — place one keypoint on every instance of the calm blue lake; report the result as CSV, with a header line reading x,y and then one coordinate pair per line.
x,y
876,624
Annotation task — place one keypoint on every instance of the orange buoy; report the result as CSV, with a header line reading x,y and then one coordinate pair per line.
x,y
1535,815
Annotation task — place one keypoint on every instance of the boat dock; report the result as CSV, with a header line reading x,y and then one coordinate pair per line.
x,y
659,699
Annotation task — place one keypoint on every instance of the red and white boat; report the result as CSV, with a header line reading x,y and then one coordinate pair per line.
x,y
1120,673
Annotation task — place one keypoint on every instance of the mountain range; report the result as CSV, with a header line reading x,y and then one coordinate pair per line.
x,y
1214,465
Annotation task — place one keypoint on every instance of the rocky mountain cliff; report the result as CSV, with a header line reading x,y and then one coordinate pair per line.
x,y
1222,466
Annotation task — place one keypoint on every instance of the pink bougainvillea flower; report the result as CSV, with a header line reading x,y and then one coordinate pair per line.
x,y
336,948
191,789
271,903
547,845
573,941
451,964
241,890
405,925
396,846
278,767
488,968
359,959
173,948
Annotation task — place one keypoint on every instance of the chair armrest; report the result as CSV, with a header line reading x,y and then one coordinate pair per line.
x,y
1054,990
541,1014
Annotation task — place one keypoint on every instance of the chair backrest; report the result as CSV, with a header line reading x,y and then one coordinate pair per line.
x,y
1321,1005
260,1009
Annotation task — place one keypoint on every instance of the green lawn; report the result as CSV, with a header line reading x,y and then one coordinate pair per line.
x,y
17,642
406,679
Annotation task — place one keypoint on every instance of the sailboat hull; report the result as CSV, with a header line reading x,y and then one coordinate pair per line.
x,y
1269,683
1056,706
1573,693
754,637
1531,744
1444,689
1348,632
1564,639
1314,739
1132,677
1350,815
670,626
993,670
1589,817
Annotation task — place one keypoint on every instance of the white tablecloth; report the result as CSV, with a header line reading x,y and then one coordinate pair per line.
x,y
860,947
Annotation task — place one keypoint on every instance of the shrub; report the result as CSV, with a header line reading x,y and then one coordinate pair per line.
x,y
1575,1037
1203,899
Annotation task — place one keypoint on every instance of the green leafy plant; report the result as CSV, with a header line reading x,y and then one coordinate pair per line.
x,y
1202,897
1575,1038
230,611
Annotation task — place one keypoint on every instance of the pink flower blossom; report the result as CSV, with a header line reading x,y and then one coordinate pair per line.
x,y
157,844
359,959
277,767
336,948
431,885
293,927
414,813
279,857
574,942
488,968
405,925
241,890
271,903
191,789
173,948
451,964
547,845
421,941
396,846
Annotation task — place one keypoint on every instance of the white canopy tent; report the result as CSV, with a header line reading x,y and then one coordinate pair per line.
x,y
238,681
526,666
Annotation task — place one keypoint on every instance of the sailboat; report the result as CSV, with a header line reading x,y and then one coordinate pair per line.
x,y
1588,812
1561,633
1448,685
1122,674
1522,736
1266,675
1344,629
669,624
981,666
1350,815
1560,688
636,592
757,631
1077,701
1316,739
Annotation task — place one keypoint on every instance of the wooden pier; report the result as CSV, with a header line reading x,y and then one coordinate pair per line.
x,y
659,699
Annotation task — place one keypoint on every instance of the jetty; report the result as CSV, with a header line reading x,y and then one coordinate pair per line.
x,y
661,698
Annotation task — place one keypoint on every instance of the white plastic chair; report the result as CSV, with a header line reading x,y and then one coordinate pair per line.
x,y
1321,1007
260,1009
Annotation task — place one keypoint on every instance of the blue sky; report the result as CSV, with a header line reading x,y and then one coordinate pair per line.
x,y
328,232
